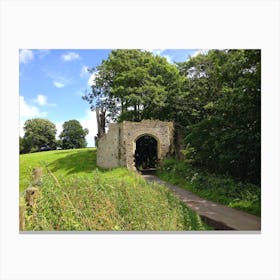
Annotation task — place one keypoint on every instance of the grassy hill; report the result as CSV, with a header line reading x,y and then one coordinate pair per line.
x,y
76,195
64,162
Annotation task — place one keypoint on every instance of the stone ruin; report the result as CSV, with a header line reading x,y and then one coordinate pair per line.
x,y
135,145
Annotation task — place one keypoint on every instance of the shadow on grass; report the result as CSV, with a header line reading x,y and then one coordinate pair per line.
x,y
80,161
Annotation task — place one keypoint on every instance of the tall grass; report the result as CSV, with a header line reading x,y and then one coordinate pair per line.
x,y
120,200
77,196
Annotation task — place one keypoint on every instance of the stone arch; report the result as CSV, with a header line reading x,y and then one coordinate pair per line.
x,y
117,147
146,151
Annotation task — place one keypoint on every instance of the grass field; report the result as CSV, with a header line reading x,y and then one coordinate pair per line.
x,y
65,162
76,195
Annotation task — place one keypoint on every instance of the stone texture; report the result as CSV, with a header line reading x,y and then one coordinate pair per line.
x,y
117,147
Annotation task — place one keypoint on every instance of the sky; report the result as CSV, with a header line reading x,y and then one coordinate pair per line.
x,y
52,83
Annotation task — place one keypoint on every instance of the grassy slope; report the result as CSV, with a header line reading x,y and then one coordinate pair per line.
x,y
87,198
65,162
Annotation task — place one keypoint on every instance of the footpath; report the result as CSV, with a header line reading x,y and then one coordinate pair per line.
x,y
218,216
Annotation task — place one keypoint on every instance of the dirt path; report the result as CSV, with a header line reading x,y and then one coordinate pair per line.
x,y
219,216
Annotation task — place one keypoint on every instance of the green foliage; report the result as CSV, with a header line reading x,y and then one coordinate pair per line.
x,y
225,114
58,143
134,85
215,99
93,199
38,133
22,146
73,135
222,189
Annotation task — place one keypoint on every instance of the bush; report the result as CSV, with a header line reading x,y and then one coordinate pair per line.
x,y
222,189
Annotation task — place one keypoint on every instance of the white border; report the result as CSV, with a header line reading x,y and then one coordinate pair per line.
x,y
146,24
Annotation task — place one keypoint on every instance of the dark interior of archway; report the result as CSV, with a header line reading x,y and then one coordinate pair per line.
x,y
146,153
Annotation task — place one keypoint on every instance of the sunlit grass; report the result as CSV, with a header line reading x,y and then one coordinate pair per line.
x,y
76,195
63,162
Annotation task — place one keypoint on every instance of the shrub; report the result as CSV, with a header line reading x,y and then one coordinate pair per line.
x,y
222,189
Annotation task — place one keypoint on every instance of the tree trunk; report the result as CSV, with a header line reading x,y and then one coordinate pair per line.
x,y
100,118
98,122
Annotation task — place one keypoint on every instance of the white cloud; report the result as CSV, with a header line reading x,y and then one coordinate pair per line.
x,y
89,122
41,99
25,56
91,80
58,84
84,71
29,111
70,56
58,129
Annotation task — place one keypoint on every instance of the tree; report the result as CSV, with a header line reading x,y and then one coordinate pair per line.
x,y
22,146
38,133
133,85
101,121
214,98
225,100
73,135
58,143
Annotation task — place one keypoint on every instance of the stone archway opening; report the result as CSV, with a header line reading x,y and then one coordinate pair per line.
x,y
117,147
146,153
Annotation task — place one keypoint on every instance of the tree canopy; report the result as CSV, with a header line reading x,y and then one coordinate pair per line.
x,y
38,133
215,99
73,135
133,85
224,134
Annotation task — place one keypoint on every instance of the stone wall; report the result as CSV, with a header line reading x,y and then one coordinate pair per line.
x,y
108,152
117,147
161,131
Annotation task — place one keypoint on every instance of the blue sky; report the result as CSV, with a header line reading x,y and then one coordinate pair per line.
x,y
52,82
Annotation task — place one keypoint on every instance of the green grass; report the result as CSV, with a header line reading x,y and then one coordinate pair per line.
x,y
86,198
224,190
63,162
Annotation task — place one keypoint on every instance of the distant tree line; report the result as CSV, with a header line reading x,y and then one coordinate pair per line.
x,y
215,99
40,135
